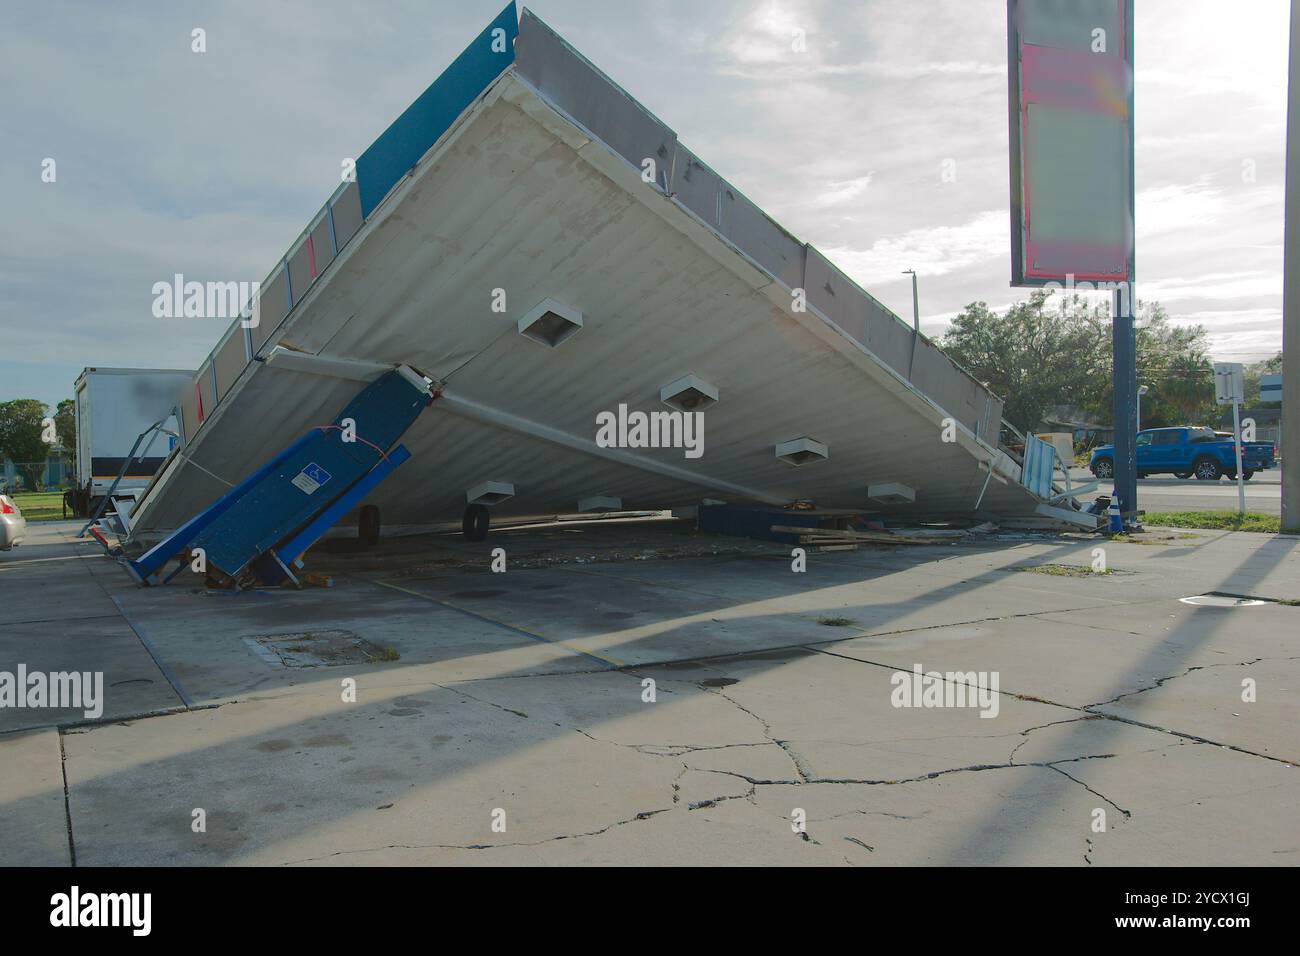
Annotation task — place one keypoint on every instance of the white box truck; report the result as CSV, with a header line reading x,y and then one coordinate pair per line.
x,y
113,406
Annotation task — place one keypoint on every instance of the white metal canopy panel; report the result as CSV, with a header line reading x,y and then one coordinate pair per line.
x,y
519,197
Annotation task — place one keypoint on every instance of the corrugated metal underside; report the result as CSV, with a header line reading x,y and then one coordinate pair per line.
x,y
516,198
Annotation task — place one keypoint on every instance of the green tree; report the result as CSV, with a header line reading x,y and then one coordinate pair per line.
x,y
1056,350
65,422
1173,362
20,437
1042,352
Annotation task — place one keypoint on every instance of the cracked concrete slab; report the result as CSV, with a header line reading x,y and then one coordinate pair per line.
x,y
318,778
497,702
1078,658
1197,805
975,817
1206,702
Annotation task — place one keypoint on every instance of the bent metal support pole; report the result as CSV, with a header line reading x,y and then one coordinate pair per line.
x,y
469,408
121,473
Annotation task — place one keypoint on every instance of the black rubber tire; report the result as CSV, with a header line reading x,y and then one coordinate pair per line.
x,y
1247,473
1103,468
1183,475
368,524
475,523
1206,468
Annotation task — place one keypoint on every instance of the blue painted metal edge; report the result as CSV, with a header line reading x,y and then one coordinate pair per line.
x,y
291,550
152,560
400,147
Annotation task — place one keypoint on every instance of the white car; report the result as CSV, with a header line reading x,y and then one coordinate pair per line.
x,y
13,526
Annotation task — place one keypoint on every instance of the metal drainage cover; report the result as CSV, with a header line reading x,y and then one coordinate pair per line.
x,y
1219,600
317,649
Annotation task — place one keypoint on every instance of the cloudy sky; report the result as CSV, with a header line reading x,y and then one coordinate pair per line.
x,y
210,164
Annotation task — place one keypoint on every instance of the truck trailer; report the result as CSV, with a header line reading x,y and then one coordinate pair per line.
x,y
113,407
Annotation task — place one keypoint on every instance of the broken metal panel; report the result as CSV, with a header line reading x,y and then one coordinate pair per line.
x,y
321,246
1039,466
199,400
346,211
399,148
760,237
835,295
230,359
696,187
300,277
273,306
970,403
190,413
206,383
573,84
934,374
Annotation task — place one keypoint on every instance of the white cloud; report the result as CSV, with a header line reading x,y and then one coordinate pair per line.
x,y
932,251
211,166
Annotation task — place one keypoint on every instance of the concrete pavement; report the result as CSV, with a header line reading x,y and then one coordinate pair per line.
x,y
704,705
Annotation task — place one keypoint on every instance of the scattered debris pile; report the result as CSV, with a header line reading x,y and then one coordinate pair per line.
x,y
849,539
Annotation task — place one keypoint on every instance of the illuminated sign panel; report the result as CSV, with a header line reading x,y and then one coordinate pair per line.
x,y
1071,133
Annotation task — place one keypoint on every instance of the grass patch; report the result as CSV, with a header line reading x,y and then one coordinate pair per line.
x,y
40,505
387,654
1216,521
1064,570
836,621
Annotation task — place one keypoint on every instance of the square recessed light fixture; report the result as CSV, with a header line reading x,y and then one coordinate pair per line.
x,y
490,493
689,394
550,322
801,451
892,493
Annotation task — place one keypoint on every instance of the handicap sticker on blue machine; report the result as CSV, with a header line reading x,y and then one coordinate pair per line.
x,y
310,478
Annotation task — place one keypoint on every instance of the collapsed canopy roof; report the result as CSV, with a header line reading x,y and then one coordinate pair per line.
x,y
525,185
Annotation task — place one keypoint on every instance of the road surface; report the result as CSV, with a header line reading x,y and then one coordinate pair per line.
x,y
1166,493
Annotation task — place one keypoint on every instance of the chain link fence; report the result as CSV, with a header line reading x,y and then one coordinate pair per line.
x,y
53,474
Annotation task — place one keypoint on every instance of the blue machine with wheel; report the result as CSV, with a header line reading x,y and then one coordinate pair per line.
x,y
259,528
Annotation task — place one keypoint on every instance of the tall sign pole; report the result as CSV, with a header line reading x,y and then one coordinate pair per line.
x,y
1123,339
1070,92
1291,295
1229,389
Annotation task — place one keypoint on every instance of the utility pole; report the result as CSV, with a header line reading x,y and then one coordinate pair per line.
x,y
916,303
916,321
1291,294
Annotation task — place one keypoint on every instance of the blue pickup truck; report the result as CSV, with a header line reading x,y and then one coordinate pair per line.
x,y
1184,452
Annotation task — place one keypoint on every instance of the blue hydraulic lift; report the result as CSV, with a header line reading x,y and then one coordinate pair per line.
x,y
261,527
